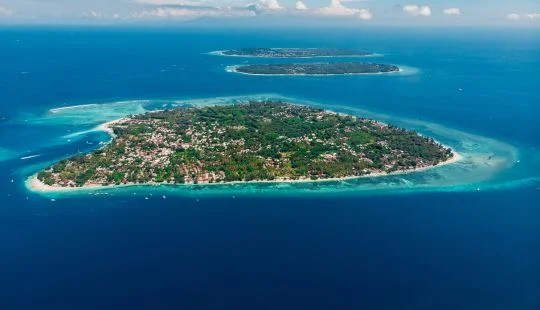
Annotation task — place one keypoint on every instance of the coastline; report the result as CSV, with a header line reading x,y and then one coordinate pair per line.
x,y
35,185
234,69
106,127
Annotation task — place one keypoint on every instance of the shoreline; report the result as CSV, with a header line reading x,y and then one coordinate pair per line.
x,y
233,69
106,127
35,185
475,164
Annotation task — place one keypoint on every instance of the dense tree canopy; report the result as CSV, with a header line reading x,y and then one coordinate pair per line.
x,y
318,68
246,142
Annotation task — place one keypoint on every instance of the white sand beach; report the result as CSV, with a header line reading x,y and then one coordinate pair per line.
x,y
34,184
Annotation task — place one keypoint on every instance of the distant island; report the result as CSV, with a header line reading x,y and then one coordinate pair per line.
x,y
257,141
333,68
294,52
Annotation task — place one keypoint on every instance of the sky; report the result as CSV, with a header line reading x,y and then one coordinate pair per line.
x,y
375,12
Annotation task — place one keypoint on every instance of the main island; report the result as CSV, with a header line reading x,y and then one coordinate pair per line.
x,y
331,68
294,52
267,141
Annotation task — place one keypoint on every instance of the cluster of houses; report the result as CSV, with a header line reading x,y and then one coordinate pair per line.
x,y
185,149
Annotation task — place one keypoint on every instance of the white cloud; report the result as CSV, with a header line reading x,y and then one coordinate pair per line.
x,y
513,16
93,14
100,15
365,14
417,10
301,6
452,11
271,4
5,12
265,6
338,9
169,2
516,16
189,13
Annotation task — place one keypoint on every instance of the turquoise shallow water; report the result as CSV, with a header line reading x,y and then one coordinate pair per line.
x,y
483,162
463,236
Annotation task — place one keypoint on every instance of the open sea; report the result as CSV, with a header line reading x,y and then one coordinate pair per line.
x,y
465,236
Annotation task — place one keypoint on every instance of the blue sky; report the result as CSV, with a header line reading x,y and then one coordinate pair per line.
x,y
376,12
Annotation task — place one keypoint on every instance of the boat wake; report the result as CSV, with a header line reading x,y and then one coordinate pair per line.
x,y
29,157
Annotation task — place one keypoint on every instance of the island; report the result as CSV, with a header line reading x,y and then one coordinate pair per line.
x,y
333,68
266,141
294,52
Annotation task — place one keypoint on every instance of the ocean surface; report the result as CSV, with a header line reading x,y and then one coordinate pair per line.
x,y
464,236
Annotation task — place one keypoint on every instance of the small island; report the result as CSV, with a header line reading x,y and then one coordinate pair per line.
x,y
268,141
294,52
334,68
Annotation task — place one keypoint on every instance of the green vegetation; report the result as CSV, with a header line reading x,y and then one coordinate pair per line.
x,y
295,52
317,68
246,142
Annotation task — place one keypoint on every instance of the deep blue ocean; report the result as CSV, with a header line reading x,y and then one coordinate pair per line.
x,y
454,248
